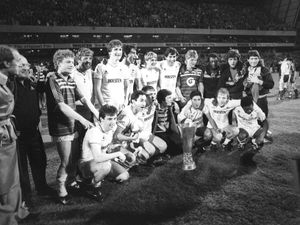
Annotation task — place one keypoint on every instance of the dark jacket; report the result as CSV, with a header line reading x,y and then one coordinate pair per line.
x,y
235,87
27,110
171,120
210,81
268,82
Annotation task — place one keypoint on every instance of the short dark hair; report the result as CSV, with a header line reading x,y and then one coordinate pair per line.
x,y
6,54
136,94
84,52
233,53
127,48
212,55
107,110
246,101
162,94
195,93
253,53
148,88
172,51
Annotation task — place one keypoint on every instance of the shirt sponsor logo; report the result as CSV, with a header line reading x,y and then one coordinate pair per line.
x,y
220,111
190,81
114,80
170,76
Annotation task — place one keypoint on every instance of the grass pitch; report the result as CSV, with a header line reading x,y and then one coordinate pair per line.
x,y
213,194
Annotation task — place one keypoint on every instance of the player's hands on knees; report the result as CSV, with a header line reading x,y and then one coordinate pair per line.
x,y
182,99
259,140
121,157
219,130
135,136
176,108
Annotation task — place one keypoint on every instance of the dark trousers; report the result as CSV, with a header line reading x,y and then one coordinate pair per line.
x,y
31,147
263,104
173,141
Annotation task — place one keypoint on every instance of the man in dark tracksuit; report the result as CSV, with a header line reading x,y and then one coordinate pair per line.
x,y
232,75
211,76
29,143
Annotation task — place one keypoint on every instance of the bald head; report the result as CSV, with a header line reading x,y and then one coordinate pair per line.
x,y
23,68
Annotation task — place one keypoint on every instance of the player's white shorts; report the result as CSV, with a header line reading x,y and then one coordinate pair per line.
x,y
251,130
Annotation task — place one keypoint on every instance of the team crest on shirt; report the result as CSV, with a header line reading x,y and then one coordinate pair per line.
x,y
190,81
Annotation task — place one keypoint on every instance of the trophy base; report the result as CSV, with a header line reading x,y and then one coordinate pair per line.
x,y
190,166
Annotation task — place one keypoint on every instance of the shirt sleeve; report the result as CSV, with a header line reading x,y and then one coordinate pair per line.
x,y
78,93
55,90
260,114
123,121
234,103
207,104
126,72
98,73
94,135
199,71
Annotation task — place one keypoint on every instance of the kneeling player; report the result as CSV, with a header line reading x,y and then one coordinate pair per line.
x,y
247,117
192,115
95,162
219,109
132,130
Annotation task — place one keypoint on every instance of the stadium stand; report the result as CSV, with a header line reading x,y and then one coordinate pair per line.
x,y
143,13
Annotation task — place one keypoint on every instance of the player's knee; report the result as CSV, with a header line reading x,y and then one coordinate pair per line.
x,y
100,169
149,148
122,177
143,155
161,146
217,137
106,167
130,157
207,136
243,134
93,166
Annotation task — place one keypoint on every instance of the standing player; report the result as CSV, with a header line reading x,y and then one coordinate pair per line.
x,y
150,74
211,76
285,70
111,78
189,78
169,71
232,75
61,93
260,78
83,77
133,70
293,81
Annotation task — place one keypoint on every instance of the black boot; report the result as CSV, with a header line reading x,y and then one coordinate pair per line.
x,y
296,93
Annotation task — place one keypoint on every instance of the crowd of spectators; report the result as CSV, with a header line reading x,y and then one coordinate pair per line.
x,y
141,13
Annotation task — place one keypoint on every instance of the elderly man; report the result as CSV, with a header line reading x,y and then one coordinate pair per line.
x,y
10,192
30,143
